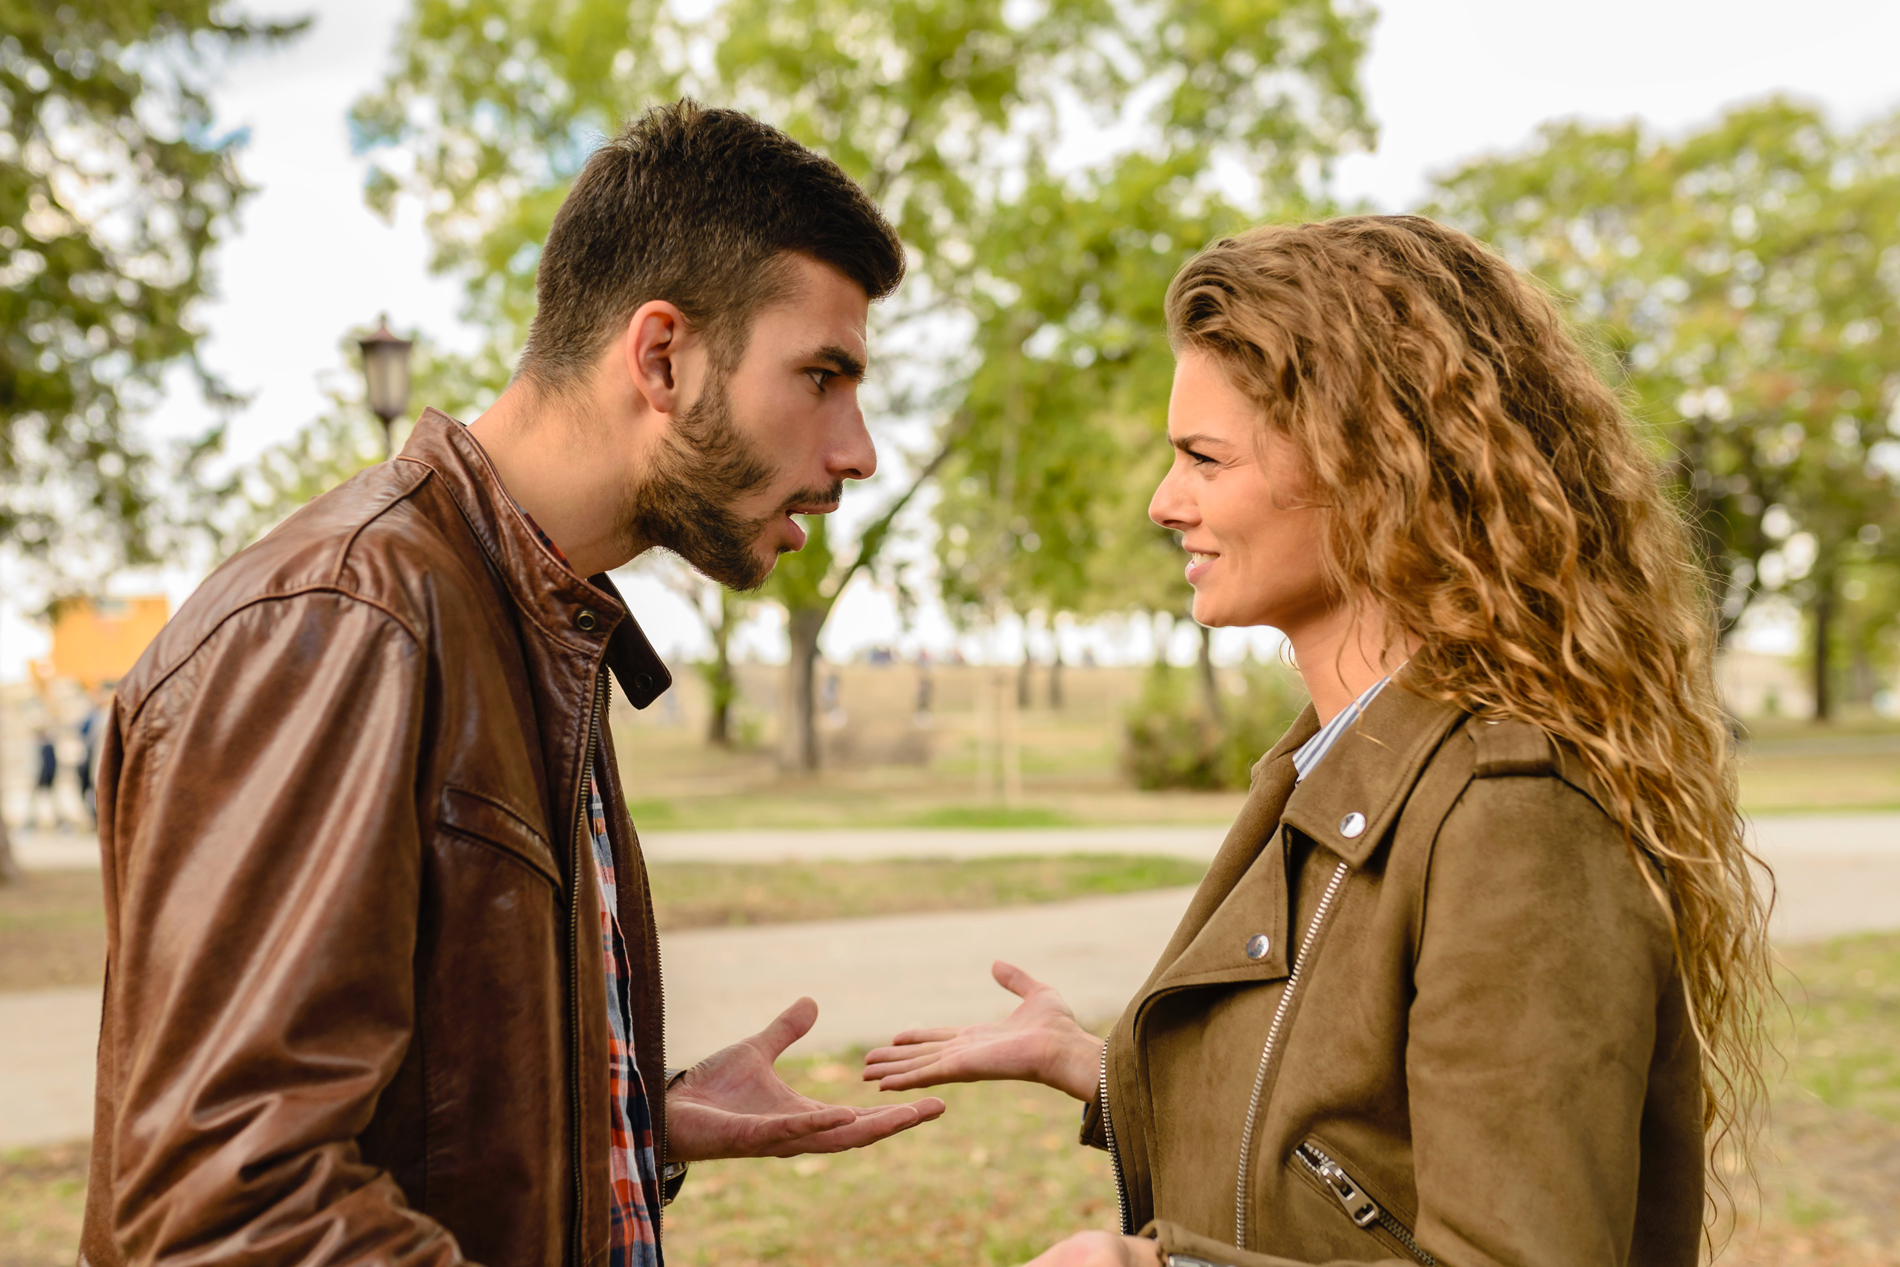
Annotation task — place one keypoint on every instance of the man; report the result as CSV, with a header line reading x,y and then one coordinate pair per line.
x,y
382,979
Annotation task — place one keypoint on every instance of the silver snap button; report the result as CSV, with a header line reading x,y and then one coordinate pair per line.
x,y
1352,825
1258,945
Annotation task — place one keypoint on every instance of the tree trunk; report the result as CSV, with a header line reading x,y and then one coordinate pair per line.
x,y
802,627
1823,634
1011,743
10,872
1055,679
724,689
9,865
1210,684
1022,678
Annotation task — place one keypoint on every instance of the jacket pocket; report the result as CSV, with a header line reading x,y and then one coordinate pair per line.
x,y
487,821
1319,1169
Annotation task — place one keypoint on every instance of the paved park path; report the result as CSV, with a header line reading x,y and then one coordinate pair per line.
x,y
1837,873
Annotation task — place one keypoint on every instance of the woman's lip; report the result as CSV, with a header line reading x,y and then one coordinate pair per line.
x,y
1198,564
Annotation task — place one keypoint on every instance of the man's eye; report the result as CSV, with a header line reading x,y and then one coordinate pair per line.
x,y
821,378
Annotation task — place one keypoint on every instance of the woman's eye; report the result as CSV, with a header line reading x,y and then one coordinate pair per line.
x,y
1199,459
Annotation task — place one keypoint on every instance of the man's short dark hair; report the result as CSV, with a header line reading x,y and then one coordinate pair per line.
x,y
696,207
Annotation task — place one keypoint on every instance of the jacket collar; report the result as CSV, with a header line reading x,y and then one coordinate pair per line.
x,y
1351,799
550,595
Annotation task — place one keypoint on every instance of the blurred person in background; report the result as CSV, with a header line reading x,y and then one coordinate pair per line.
x,y
1476,977
45,794
88,763
383,982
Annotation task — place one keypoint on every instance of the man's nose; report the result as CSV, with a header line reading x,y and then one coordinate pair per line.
x,y
855,457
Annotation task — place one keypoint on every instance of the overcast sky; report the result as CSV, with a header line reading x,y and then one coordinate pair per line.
x,y
1447,80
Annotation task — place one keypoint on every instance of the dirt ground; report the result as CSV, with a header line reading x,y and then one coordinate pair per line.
x,y
52,931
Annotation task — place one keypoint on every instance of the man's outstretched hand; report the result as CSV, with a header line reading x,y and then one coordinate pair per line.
x,y
1039,1042
734,1104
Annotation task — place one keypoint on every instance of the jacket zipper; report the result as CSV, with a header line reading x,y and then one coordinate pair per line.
x,y
659,975
1266,1052
1359,1207
1115,1158
583,853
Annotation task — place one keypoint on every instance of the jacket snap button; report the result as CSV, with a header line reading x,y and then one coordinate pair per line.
x,y
1352,825
585,621
643,681
1258,945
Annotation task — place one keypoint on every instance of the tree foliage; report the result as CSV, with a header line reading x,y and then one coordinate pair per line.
x,y
115,186
1046,163
1743,282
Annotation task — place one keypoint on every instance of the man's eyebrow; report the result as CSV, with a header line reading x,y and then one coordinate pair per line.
x,y
847,363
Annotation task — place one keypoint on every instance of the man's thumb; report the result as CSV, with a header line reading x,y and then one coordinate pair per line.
x,y
788,1027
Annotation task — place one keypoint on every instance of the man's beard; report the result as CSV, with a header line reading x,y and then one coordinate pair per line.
x,y
703,466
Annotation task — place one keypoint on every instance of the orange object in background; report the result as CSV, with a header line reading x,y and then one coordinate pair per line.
x,y
95,642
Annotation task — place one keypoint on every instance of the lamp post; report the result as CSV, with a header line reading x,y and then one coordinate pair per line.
x,y
386,377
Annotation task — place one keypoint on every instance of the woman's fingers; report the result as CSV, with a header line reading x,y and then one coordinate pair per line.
x,y
915,1073
905,1055
911,1037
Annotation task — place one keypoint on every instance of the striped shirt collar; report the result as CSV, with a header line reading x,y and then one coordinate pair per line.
x,y
1314,750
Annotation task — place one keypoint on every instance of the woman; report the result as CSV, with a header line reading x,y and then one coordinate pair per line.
x,y
1475,977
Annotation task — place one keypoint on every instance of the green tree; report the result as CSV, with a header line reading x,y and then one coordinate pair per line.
x,y
115,187
951,113
1743,282
1044,508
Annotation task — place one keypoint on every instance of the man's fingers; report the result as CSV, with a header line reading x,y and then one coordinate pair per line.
x,y
787,1028
793,1127
1014,979
871,1127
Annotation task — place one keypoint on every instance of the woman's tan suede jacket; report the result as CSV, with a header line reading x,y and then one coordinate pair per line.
x,y
1424,1008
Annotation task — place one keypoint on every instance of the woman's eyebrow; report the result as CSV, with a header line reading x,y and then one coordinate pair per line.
x,y
1196,440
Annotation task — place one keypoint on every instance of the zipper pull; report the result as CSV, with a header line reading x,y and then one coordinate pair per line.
x,y
1361,1208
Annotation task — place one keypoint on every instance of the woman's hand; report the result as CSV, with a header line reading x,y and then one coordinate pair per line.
x,y
734,1104
1100,1249
1039,1042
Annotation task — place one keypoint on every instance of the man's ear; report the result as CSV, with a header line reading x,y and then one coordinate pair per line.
x,y
656,336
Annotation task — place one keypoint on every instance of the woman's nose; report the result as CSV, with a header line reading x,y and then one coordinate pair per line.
x,y
1171,507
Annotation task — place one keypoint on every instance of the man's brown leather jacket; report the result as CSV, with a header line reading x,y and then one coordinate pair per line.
x,y
354,1006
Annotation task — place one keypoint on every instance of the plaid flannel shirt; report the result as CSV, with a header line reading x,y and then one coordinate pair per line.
x,y
634,1200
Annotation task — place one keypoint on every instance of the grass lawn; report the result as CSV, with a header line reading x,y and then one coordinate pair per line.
x,y
1000,1176
706,894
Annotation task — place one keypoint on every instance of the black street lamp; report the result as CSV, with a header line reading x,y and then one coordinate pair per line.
x,y
386,377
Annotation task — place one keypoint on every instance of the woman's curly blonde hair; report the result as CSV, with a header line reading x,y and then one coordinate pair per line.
x,y
1488,495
